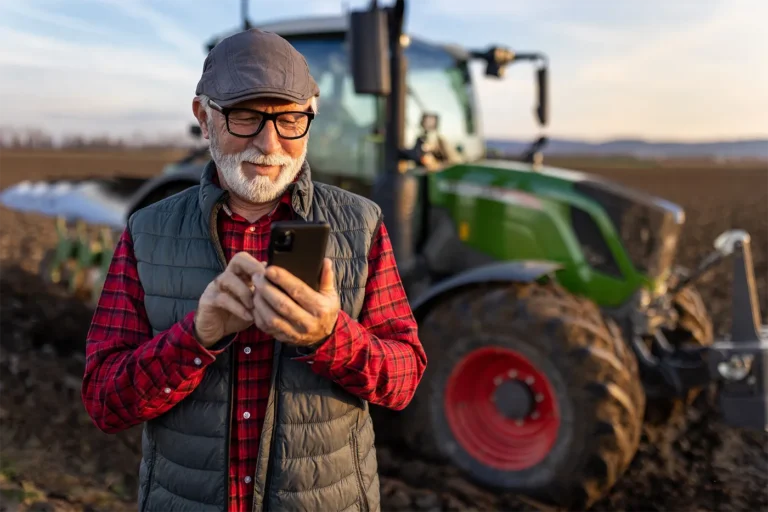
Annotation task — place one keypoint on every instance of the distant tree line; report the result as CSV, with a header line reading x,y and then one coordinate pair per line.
x,y
36,138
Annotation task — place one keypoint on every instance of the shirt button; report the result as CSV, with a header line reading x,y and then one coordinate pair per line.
x,y
252,229
247,350
246,415
247,479
167,391
198,361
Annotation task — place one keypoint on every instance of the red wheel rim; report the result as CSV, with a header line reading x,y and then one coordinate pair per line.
x,y
479,426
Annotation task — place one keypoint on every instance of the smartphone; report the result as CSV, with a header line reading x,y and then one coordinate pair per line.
x,y
299,247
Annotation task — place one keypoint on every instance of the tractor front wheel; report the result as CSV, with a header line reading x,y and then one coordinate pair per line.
x,y
693,328
694,325
531,391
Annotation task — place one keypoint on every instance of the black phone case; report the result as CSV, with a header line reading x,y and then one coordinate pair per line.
x,y
304,258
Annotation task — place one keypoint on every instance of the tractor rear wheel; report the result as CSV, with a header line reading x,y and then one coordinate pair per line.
x,y
531,390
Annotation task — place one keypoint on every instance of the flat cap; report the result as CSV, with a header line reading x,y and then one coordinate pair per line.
x,y
256,64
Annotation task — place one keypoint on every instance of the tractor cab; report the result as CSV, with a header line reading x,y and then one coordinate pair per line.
x,y
346,147
436,125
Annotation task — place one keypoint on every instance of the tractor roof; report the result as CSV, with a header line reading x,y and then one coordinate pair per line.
x,y
327,26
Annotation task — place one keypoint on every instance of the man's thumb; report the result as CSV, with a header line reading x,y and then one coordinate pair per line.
x,y
327,281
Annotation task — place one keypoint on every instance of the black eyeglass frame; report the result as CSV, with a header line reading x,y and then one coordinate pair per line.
x,y
266,116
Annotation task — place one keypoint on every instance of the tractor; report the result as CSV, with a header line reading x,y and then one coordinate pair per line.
x,y
553,316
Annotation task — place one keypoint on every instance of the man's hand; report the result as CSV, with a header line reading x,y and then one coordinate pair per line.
x,y
299,315
226,304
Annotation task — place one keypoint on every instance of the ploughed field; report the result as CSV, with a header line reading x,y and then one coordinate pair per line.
x,y
53,458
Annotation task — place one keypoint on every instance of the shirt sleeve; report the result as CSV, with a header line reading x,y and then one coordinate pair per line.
x,y
132,376
377,357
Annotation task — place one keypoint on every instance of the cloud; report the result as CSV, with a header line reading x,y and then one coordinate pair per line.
x,y
486,8
64,86
164,27
674,69
58,20
58,56
678,78
104,101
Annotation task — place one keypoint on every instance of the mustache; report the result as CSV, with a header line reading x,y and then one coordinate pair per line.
x,y
258,158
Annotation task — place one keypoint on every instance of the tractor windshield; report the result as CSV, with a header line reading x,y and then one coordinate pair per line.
x,y
344,141
438,84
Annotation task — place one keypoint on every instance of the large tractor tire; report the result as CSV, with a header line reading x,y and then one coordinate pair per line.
x,y
530,390
694,327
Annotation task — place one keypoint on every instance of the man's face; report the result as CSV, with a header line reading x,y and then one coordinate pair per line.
x,y
257,169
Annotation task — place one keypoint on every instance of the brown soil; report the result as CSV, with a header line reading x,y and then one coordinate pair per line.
x,y
53,458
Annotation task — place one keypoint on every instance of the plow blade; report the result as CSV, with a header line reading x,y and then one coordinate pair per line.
x,y
101,202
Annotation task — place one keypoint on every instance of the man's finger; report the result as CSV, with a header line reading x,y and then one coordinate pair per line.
x,y
245,265
271,322
229,303
327,280
284,305
297,289
232,285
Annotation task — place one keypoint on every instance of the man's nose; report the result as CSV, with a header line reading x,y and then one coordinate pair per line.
x,y
268,141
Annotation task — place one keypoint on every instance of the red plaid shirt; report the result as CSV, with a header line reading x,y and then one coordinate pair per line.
x,y
131,377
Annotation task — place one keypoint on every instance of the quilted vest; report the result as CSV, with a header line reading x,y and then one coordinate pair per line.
x,y
317,444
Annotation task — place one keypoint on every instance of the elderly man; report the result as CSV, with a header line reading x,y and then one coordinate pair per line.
x,y
252,398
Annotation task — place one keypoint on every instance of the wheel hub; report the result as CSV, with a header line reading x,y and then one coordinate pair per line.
x,y
501,409
514,399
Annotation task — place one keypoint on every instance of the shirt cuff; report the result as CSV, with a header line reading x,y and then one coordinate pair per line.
x,y
327,354
189,341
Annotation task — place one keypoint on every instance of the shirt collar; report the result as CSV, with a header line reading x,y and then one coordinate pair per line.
x,y
285,199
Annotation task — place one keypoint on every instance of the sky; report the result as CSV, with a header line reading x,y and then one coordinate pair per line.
x,y
682,70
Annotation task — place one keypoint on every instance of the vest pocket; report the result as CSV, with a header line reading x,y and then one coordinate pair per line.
x,y
358,470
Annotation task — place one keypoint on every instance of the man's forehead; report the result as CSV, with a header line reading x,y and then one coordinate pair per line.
x,y
272,104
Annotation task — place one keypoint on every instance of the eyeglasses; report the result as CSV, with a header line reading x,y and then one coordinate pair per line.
x,y
245,122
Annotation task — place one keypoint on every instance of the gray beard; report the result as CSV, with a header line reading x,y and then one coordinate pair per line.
x,y
259,189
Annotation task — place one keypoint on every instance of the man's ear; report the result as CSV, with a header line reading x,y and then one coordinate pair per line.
x,y
201,116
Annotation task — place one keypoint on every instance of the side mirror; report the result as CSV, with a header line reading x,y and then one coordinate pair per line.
x,y
368,38
543,85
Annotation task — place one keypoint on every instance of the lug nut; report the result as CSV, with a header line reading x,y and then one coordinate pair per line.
x,y
519,423
529,380
497,381
535,415
512,374
539,397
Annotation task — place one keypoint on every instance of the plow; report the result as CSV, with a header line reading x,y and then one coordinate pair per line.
x,y
554,316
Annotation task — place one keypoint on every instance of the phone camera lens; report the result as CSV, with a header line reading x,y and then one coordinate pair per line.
x,y
284,240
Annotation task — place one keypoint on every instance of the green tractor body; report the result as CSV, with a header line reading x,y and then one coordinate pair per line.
x,y
511,211
548,301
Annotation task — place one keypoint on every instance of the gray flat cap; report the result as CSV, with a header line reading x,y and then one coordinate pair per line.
x,y
256,64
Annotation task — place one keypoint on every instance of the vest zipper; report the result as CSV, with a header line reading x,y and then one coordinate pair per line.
x,y
358,472
230,393
271,461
